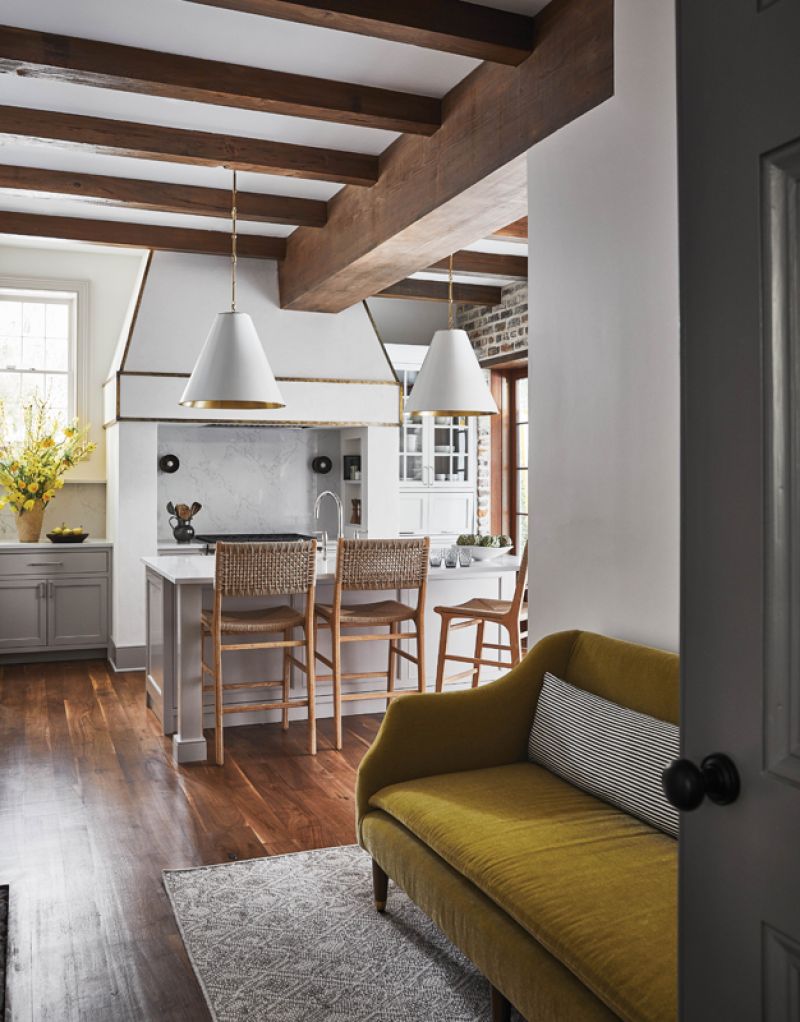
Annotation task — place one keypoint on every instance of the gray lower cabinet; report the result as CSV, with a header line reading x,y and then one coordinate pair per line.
x,y
54,600
23,614
77,613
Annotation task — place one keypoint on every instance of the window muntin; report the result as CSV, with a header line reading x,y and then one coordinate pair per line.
x,y
38,349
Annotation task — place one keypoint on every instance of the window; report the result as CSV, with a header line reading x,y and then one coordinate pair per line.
x,y
509,453
519,461
39,347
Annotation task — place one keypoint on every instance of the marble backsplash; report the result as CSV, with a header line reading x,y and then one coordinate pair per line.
x,y
248,480
76,504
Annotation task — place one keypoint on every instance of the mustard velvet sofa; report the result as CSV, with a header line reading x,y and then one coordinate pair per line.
x,y
567,905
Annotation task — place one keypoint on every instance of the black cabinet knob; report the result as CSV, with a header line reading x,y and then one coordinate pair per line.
x,y
686,785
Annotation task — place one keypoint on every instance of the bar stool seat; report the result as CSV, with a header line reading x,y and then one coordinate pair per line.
x,y
384,612
241,622
480,607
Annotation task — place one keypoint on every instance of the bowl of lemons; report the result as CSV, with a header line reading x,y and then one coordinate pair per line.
x,y
66,534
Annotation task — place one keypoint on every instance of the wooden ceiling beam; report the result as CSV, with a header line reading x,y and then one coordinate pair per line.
x,y
451,26
197,148
125,234
128,69
440,193
518,231
485,264
437,291
164,197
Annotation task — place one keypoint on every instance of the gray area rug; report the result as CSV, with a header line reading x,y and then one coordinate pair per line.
x,y
295,938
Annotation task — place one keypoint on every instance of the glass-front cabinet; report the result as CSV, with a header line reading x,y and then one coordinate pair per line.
x,y
436,469
434,450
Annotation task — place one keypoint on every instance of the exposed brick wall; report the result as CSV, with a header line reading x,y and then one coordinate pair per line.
x,y
498,330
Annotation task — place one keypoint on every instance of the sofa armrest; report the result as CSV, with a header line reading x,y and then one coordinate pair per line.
x,y
444,732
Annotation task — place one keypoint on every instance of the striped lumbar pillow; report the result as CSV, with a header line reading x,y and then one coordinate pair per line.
x,y
608,750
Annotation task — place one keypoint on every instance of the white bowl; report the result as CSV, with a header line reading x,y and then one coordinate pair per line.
x,y
486,553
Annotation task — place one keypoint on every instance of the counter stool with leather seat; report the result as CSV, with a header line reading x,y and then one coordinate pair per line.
x,y
366,565
262,570
508,614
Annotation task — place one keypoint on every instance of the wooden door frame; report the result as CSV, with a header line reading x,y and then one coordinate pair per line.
x,y
503,443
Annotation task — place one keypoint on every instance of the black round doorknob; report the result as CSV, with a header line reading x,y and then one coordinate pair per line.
x,y
686,785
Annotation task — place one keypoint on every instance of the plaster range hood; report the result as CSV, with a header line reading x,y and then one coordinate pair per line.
x,y
331,368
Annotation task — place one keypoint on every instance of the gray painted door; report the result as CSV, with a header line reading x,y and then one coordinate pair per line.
x,y
23,614
739,126
78,612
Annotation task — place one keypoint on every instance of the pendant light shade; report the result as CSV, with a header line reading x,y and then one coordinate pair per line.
x,y
450,382
232,370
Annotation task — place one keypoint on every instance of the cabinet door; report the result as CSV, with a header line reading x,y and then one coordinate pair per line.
x,y
413,516
23,614
77,612
450,512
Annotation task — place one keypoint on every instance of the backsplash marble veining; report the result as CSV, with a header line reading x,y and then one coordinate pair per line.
x,y
76,504
248,480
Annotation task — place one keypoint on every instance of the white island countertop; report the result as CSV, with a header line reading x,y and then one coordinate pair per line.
x,y
198,569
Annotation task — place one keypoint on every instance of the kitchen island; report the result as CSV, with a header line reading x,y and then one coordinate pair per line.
x,y
179,586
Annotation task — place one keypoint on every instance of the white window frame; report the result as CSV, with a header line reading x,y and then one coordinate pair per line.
x,y
80,355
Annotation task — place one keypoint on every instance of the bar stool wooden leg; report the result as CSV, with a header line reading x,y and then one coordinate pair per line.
x,y
420,623
219,741
443,631
515,642
311,689
392,669
287,674
476,674
336,657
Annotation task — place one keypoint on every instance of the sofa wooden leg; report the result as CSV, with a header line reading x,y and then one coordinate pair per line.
x,y
501,1007
380,886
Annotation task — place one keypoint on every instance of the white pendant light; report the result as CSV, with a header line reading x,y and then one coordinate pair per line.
x,y
232,370
450,381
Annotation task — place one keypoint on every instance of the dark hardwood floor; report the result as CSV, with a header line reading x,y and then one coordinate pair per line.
x,y
91,811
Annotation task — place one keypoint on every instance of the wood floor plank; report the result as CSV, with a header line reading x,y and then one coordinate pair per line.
x,y
92,809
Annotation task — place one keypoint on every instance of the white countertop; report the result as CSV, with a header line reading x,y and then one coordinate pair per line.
x,y
14,544
198,569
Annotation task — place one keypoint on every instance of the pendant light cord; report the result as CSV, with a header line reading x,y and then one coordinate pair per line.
x,y
450,295
233,245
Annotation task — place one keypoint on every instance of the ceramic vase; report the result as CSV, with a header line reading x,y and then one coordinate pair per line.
x,y
29,524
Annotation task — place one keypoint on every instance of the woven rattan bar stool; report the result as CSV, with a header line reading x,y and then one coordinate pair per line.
x,y
509,614
368,564
258,570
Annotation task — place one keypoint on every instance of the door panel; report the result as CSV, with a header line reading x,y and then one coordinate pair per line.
x,y
78,612
23,614
451,512
739,132
413,517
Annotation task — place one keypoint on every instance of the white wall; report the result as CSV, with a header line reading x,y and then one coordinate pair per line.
x,y
604,390
112,275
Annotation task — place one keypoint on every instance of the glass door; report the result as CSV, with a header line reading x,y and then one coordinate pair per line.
x,y
412,438
451,453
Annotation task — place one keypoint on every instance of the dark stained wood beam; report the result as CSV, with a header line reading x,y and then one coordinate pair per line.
x,y
175,145
518,231
485,264
120,232
127,69
440,193
164,197
436,291
448,25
